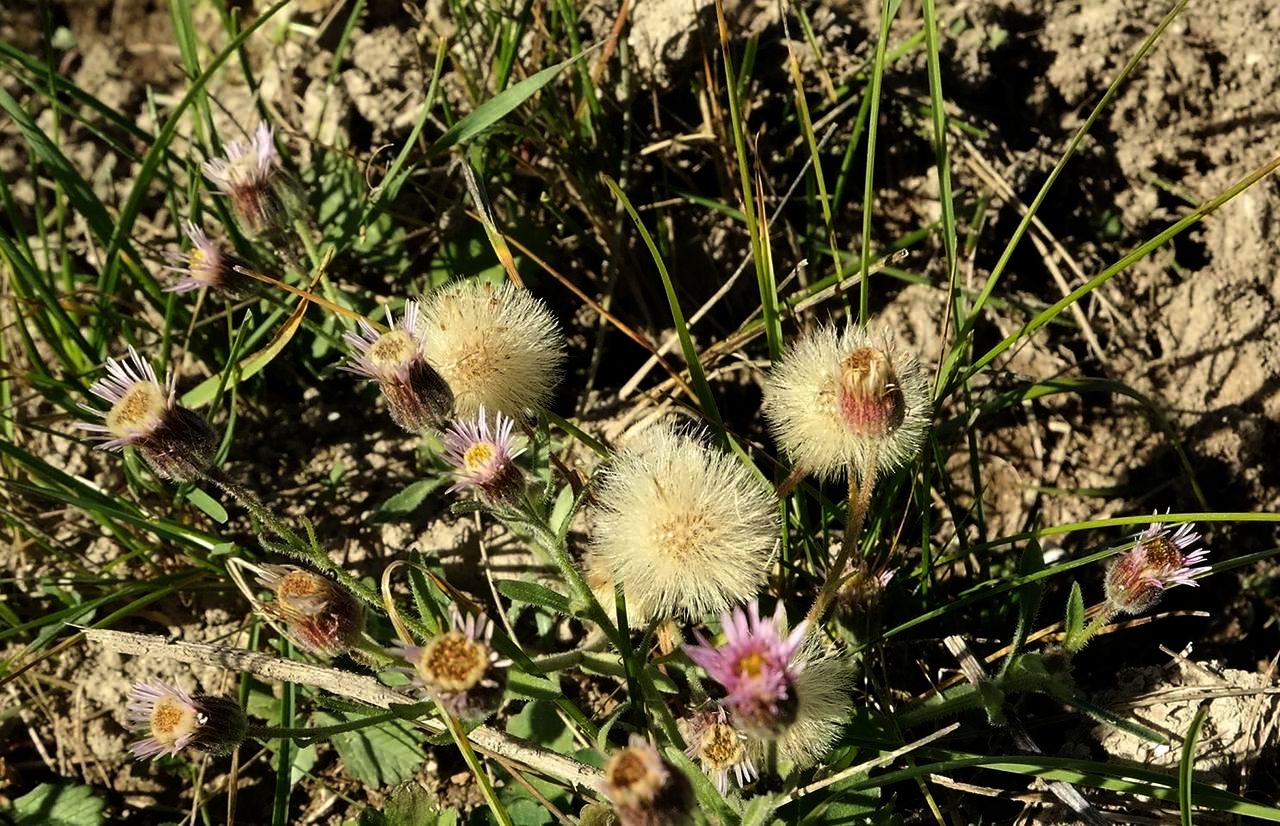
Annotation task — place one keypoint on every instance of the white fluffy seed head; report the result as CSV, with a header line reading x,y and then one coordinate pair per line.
x,y
848,399
685,528
823,706
497,346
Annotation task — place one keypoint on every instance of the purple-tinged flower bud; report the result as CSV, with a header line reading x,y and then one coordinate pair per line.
x,y
459,668
483,458
756,667
247,175
719,746
205,265
418,397
1161,558
324,617
169,719
645,789
176,442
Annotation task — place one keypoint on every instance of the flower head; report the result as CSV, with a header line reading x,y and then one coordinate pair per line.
x,y
178,443
205,265
460,669
1163,556
756,666
483,457
498,347
418,397
169,719
324,617
851,400
247,175
823,707
686,529
719,746
644,788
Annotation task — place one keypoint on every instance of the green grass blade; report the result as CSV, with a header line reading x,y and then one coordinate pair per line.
x,y
888,8
1187,765
942,157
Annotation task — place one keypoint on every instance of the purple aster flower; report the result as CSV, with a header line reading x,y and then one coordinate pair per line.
x,y
247,175
419,399
720,747
169,719
483,458
1163,556
204,265
144,414
459,668
756,667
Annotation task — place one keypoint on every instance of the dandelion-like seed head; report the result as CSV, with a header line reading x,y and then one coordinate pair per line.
x,y
324,617
176,442
841,400
644,788
460,669
756,668
720,747
483,458
1164,556
246,174
169,719
498,347
417,395
686,529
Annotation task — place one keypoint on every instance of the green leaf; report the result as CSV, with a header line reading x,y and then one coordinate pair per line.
x,y
498,107
539,723
759,810
208,504
533,685
533,594
1187,765
58,804
379,755
1074,622
407,501
410,805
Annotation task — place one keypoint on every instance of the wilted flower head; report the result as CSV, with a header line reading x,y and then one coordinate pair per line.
x,y
460,669
644,788
247,175
418,397
205,265
483,457
1163,556
841,401
169,719
324,617
178,443
823,706
498,347
757,668
719,746
685,528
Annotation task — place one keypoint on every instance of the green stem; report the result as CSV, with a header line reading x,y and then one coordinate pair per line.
x,y
859,502
305,734
1095,625
482,779
968,697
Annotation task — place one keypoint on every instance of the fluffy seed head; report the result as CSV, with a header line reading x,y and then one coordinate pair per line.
x,y
324,617
417,396
756,667
460,669
144,414
644,788
823,706
847,400
247,176
685,528
169,719
1164,556
719,746
483,458
498,347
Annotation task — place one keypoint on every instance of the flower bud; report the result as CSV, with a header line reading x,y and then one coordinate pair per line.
x,y
169,719
176,442
417,396
247,175
206,265
645,789
322,615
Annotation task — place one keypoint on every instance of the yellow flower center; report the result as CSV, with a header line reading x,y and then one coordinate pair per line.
x,y
391,350
1163,557
453,662
478,455
751,665
172,719
721,747
139,411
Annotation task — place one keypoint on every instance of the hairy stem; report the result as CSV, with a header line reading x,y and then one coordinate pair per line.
x,y
859,502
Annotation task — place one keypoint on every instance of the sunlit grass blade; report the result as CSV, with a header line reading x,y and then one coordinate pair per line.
x,y
888,8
